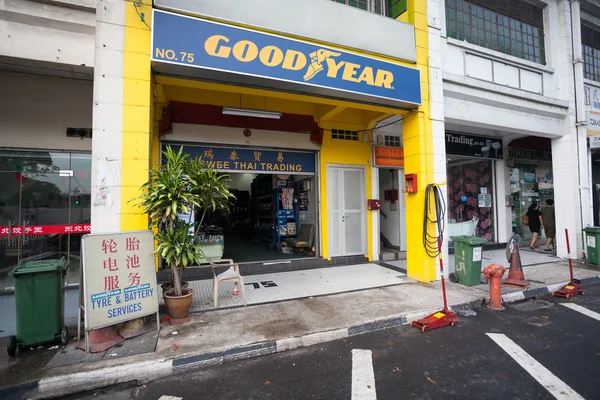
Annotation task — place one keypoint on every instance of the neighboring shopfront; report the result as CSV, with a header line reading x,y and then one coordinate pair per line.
x,y
45,169
472,200
595,175
45,203
592,105
531,179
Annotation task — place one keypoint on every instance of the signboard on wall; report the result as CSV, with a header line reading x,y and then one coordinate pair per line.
x,y
214,51
594,141
59,229
388,156
253,160
518,153
119,278
592,104
458,144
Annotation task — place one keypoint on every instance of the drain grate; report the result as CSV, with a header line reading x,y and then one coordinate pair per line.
x,y
531,305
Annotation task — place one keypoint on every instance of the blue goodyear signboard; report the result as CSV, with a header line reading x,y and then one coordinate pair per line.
x,y
182,40
252,160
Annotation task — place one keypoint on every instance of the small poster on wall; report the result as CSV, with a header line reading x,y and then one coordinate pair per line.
x,y
484,200
529,177
543,177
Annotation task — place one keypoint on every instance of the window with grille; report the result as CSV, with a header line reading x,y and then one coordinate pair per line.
x,y
362,4
396,8
391,8
590,39
393,141
344,135
511,27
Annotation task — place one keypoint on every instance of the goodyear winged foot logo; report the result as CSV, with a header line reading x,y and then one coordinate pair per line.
x,y
316,62
331,62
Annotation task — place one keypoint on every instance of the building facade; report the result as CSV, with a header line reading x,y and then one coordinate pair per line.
x,y
302,116
312,119
513,107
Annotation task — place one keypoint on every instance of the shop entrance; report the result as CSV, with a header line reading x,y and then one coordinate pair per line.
x,y
274,214
529,184
393,211
531,179
273,217
347,217
471,198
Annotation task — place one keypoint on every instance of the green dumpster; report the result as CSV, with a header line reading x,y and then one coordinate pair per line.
x,y
39,302
592,234
467,259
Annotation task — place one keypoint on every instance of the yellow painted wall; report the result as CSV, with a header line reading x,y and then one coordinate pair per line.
x,y
137,115
418,153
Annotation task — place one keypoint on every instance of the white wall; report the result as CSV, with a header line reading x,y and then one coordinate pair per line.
x,y
310,19
57,31
234,136
491,90
35,111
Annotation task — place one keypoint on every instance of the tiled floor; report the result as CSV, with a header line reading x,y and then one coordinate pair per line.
x,y
296,284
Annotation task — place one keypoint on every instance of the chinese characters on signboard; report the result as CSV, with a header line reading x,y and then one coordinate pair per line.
x,y
238,159
119,277
20,230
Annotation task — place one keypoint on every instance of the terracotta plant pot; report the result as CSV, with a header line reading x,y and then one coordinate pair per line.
x,y
178,307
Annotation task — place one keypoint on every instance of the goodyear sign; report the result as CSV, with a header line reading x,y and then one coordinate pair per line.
x,y
244,56
252,160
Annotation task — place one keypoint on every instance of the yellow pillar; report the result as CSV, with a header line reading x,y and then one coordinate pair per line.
x,y
137,112
418,153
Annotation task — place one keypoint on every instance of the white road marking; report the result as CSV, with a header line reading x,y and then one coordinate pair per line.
x,y
363,378
583,310
170,398
547,379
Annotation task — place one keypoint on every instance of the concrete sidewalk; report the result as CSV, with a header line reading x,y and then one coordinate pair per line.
x,y
230,334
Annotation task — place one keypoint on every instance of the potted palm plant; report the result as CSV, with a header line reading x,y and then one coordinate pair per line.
x,y
165,196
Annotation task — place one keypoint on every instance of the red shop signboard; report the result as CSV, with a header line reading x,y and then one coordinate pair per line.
x,y
20,230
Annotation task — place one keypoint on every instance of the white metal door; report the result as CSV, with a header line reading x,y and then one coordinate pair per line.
x,y
347,221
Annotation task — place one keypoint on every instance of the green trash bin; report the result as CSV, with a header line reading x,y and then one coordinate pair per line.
x,y
592,234
467,259
39,303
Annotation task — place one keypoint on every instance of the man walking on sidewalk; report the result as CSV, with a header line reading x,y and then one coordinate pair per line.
x,y
549,223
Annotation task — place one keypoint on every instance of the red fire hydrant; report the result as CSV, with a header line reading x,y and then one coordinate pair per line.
x,y
492,274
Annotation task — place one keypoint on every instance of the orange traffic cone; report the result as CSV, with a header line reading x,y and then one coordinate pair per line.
x,y
516,278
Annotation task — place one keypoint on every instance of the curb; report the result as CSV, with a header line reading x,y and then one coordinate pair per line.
x,y
62,385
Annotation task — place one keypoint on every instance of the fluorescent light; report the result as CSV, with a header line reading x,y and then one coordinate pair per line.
x,y
245,112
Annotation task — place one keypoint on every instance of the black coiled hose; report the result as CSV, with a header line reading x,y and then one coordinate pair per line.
x,y
434,213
